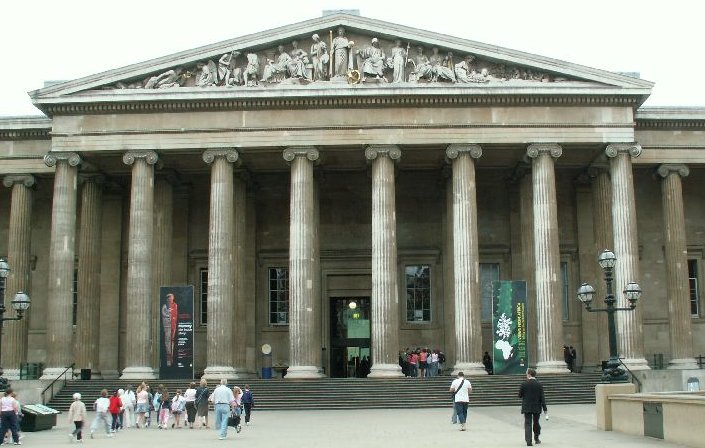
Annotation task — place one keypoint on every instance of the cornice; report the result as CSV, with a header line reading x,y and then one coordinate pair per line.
x,y
668,124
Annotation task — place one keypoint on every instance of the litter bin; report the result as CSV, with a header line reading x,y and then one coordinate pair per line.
x,y
85,374
38,417
267,366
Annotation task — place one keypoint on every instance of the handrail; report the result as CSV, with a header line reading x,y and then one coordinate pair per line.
x,y
51,385
634,378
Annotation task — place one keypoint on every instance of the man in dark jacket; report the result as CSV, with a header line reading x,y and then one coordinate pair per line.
x,y
532,402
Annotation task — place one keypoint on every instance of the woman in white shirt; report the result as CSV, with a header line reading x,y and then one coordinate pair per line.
x,y
178,406
9,410
190,399
461,388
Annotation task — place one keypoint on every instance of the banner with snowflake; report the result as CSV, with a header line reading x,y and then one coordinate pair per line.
x,y
510,354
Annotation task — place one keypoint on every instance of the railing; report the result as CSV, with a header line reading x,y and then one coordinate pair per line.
x,y
51,385
634,378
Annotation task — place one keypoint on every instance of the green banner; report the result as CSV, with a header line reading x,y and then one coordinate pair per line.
x,y
510,355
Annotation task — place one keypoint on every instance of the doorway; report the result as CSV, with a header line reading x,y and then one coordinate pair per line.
x,y
349,337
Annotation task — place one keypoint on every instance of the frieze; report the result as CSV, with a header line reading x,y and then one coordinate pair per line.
x,y
339,58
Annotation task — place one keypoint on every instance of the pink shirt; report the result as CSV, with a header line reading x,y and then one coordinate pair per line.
x,y
422,357
142,396
7,404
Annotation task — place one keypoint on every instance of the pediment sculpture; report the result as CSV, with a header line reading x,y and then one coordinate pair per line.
x,y
340,61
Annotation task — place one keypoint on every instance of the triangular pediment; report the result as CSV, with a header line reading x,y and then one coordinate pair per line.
x,y
351,51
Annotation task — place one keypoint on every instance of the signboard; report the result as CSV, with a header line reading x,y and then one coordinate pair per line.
x,y
176,332
509,327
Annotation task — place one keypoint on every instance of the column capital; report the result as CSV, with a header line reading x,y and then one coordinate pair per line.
x,y
453,151
667,168
231,155
373,151
25,179
633,149
149,156
293,152
536,149
52,158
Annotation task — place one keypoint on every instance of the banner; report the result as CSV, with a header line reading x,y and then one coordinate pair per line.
x,y
176,332
509,327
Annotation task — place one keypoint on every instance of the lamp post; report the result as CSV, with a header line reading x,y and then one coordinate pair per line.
x,y
613,373
20,303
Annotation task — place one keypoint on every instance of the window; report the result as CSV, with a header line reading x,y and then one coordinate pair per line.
x,y
564,289
278,296
74,296
694,288
489,273
418,293
203,283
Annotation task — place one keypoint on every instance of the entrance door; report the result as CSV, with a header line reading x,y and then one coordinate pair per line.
x,y
349,337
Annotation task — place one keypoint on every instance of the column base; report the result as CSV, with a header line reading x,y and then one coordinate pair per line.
x,y
220,372
469,368
110,374
11,374
385,371
683,364
303,373
636,364
551,367
52,373
138,373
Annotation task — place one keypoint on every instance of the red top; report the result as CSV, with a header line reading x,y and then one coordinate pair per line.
x,y
115,405
422,357
414,358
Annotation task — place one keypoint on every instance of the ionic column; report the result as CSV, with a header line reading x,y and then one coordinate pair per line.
x,y
18,257
677,267
61,263
304,270
221,283
162,254
89,255
466,268
626,248
603,233
138,359
549,332
526,222
385,293
239,344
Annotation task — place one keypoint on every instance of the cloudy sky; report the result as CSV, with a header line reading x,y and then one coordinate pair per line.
x,y
61,40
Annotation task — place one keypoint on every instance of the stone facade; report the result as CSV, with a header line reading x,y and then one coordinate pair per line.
x,y
377,175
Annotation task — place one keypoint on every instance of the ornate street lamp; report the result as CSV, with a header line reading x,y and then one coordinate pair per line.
x,y
20,303
612,373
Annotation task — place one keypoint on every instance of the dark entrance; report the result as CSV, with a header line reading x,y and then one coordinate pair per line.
x,y
349,337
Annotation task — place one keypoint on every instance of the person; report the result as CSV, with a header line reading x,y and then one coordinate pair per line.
x,y
129,400
201,403
101,407
567,357
532,402
222,399
399,57
297,64
461,388
372,60
190,400
115,407
434,362
142,405
487,362
77,415
248,401
573,359
340,48
441,361
439,68
422,64
319,58
423,356
9,408
237,407
164,408
413,359
178,407
276,71
150,402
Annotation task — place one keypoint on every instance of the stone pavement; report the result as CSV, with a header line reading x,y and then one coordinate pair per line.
x,y
569,425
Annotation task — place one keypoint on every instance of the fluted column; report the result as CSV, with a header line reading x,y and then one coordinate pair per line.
x,y
162,254
61,263
89,254
678,288
385,292
18,257
526,211
466,270
626,248
304,269
221,285
547,259
138,360
602,229
240,273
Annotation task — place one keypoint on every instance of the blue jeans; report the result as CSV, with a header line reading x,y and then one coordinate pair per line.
x,y
222,412
461,408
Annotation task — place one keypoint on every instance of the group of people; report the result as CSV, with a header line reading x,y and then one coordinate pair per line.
x,y
421,362
126,409
570,357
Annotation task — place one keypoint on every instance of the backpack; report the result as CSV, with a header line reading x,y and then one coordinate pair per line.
x,y
441,358
157,400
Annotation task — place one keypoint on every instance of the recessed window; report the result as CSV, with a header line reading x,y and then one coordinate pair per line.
x,y
279,296
489,273
694,288
418,293
203,285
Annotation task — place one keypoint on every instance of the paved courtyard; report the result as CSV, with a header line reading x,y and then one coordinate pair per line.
x,y
569,425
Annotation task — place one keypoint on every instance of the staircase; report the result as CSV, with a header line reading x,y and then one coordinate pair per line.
x,y
333,393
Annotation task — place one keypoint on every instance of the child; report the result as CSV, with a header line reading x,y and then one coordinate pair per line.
x,y
101,406
164,409
115,408
178,406
77,414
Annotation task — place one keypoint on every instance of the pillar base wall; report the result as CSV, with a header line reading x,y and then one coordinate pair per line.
x,y
683,364
219,372
637,364
385,371
303,372
138,373
110,374
11,374
52,373
469,369
551,367
603,408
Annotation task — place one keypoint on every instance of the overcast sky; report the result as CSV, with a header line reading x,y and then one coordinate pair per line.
x,y
68,39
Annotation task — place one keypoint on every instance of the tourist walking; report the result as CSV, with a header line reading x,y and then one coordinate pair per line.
x,y
9,408
101,407
129,400
222,399
237,408
164,408
202,403
178,407
190,400
114,407
532,402
461,388
77,415
248,401
142,405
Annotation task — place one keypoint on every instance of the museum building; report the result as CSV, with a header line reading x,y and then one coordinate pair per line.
x,y
339,169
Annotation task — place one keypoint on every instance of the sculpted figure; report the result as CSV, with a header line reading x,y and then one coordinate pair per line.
x,y
297,64
439,68
399,55
208,75
465,72
319,58
275,71
252,70
340,48
423,65
372,60
228,74
167,80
